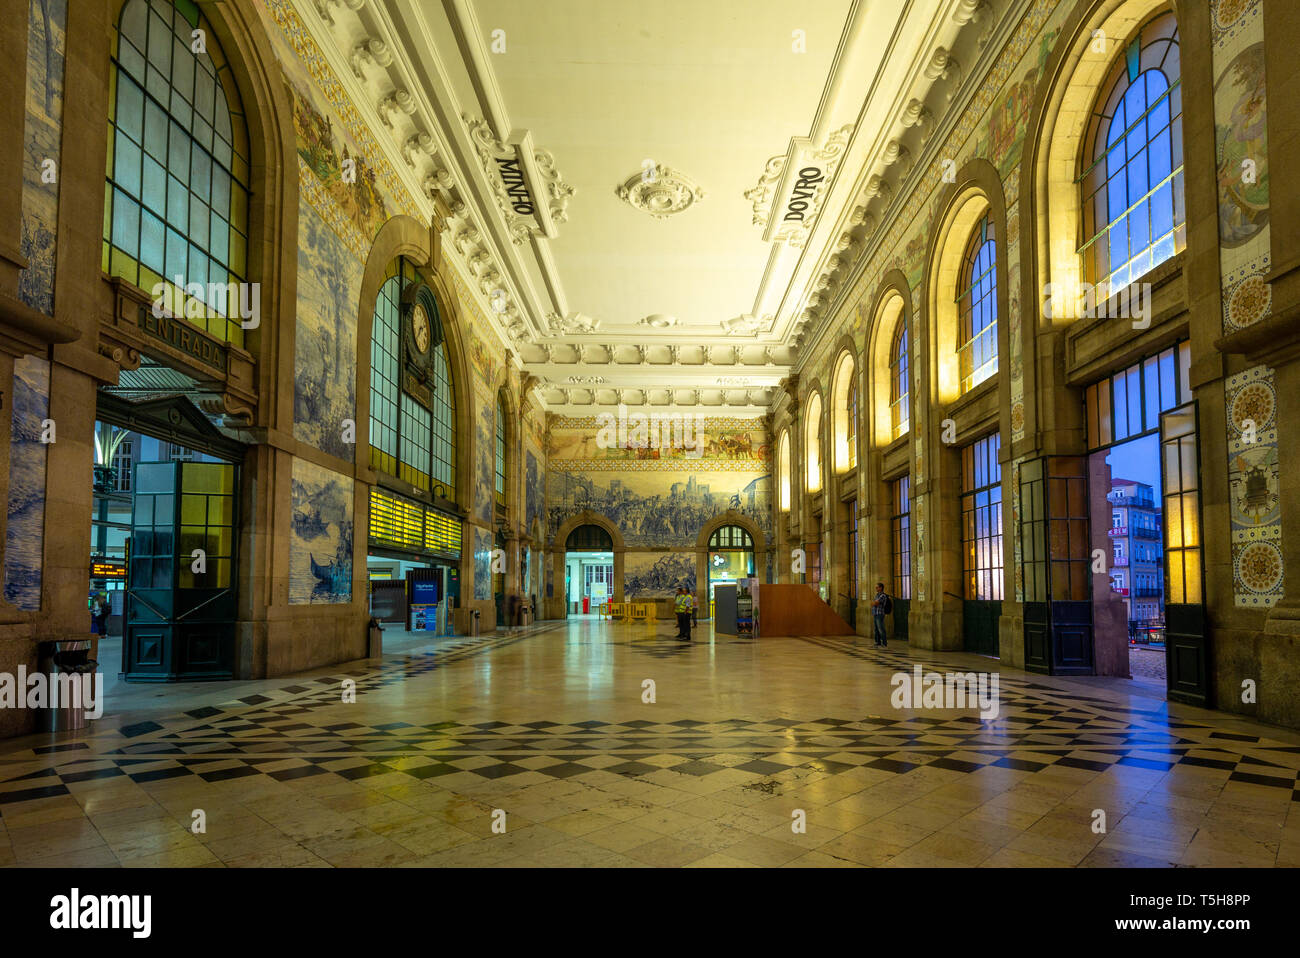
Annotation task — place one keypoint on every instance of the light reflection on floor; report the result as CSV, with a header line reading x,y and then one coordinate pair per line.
x,y
550,726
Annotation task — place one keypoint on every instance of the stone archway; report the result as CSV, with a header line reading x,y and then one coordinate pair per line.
x,y
557,607
731,517
981,410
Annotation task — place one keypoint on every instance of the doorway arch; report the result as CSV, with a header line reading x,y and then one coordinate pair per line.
x,y
735,519
557,604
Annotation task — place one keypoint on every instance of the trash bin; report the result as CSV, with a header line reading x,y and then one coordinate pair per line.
x,y
375,640
473,621
66,657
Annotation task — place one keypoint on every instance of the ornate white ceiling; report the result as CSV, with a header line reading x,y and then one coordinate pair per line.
x,y
656,199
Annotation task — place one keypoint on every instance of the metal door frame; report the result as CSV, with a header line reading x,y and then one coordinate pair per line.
x,y
1187,634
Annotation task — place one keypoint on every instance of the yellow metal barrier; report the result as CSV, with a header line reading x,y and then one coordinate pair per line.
x,y
628,611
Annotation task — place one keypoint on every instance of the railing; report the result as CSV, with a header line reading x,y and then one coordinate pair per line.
x,y
1119,561
851,604
1142,531
630,611
1143,502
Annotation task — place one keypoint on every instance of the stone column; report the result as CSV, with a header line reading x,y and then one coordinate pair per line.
x,y
13,102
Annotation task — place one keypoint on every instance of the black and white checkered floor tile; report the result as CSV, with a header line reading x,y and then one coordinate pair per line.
x,y
270,733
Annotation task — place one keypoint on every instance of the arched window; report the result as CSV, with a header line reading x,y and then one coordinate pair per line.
x,y
501,455
444,423
813,444
1132,175
589,538
900,415
977,308
844,424
852,434
783,472
882,343
176,192
412,434
730,537
731,556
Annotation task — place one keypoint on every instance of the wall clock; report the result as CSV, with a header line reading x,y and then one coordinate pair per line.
x,y
420,332
421,335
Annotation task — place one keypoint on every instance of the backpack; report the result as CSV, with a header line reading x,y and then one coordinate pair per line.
x,y
888,605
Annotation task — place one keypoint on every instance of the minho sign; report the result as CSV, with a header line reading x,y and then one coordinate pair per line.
x,y
182,336
521,201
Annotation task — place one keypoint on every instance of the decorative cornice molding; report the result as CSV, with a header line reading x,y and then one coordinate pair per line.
x,y
536,167
745,325
995,43
943,66
413,164
323,8
895,161
372,51
794,185
573,323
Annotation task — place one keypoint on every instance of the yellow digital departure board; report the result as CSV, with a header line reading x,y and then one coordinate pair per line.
x,y
410,525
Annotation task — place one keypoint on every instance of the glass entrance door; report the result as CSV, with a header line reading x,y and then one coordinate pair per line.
x,y
981,508
730,558
1054,536
1187,639
851,509
180,609
901,538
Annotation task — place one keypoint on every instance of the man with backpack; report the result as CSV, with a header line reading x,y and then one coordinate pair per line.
x,y
881,606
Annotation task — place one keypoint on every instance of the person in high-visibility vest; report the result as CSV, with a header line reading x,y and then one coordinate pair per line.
x,y
682,606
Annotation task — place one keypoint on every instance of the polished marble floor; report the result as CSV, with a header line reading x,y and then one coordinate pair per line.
x,y
548,729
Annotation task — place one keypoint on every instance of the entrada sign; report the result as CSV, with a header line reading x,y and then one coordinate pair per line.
x,y
801,196
184,337
521,201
